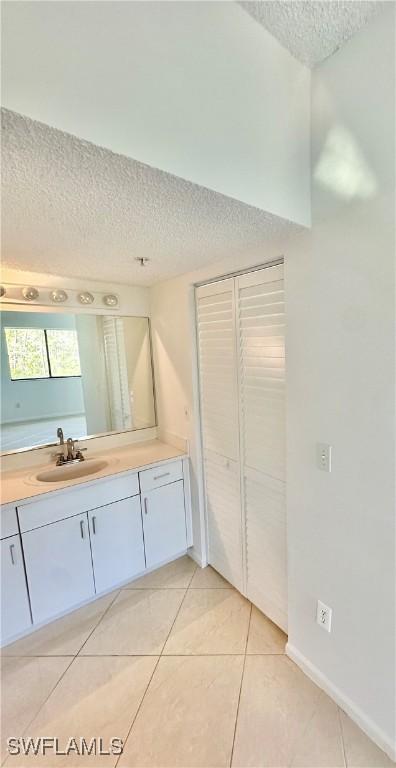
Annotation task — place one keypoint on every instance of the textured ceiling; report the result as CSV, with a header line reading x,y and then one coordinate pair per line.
x,y
74,209
312,30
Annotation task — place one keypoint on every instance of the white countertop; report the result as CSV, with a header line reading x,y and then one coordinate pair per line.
x,y
21,484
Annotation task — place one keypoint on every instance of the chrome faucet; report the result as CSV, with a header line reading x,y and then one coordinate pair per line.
x,y
71,454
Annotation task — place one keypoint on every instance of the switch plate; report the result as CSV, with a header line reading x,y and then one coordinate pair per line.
x,y
323,616
324,457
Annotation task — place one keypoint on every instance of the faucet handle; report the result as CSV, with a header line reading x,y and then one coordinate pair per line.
x,y
60,458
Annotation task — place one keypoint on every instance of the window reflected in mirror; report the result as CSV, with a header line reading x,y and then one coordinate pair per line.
x,y
89,374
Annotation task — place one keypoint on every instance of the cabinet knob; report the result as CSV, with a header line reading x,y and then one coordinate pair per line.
x,y
12,547
145,506
82,529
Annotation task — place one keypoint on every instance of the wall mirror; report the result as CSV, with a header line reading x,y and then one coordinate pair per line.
x,y
89,374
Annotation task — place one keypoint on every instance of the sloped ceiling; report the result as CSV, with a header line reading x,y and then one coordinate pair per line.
x,y
312,30
73,208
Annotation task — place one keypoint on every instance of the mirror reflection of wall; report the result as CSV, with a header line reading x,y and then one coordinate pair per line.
x,y
87,373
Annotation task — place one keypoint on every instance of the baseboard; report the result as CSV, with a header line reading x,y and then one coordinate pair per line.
x,y
344,702
192,552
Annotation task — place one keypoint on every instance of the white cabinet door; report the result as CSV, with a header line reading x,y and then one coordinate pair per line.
x,y
15,612
164,523
117,542
58,566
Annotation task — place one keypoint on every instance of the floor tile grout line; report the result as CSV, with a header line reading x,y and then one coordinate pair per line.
x,y
99,621
49,694
59,656
237,710
174,621
342,737
192,577
152,655
137,711
301,736
151,677
248,630
132,655
240,687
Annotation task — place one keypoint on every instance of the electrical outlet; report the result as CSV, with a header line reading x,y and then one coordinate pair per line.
x,y
324,457
323,616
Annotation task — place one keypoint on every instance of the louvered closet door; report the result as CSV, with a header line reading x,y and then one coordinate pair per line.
x,y
261,322
220,427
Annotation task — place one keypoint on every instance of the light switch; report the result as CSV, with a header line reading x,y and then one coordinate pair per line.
x,y
324,457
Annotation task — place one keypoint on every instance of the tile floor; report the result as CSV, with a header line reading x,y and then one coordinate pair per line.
x,y
186,672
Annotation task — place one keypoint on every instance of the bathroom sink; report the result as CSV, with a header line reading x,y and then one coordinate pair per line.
x,y
71,471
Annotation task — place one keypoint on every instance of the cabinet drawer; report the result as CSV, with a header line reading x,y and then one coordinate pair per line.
x,y
161,475
75,501
8,521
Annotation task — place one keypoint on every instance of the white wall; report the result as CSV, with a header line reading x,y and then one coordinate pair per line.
x,y
340,380
199,89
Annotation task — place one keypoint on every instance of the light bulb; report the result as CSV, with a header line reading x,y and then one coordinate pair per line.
x,y
58,295
110,300
30,293
85,297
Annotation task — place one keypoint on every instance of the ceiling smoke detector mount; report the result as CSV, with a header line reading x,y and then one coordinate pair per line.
x,y
142,260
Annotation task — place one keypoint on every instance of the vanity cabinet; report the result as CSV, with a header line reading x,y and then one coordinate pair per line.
x,y
58,566
164,523
117,542
15,612
64,548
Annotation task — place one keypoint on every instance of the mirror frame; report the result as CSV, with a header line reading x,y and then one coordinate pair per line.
x,y
44,309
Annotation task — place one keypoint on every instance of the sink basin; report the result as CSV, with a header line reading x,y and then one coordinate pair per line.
x,y
71,471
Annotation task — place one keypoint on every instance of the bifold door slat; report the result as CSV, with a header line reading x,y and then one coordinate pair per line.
x,y
261,324
220,429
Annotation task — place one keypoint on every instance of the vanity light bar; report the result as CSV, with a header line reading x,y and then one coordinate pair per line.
x,y
11,293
